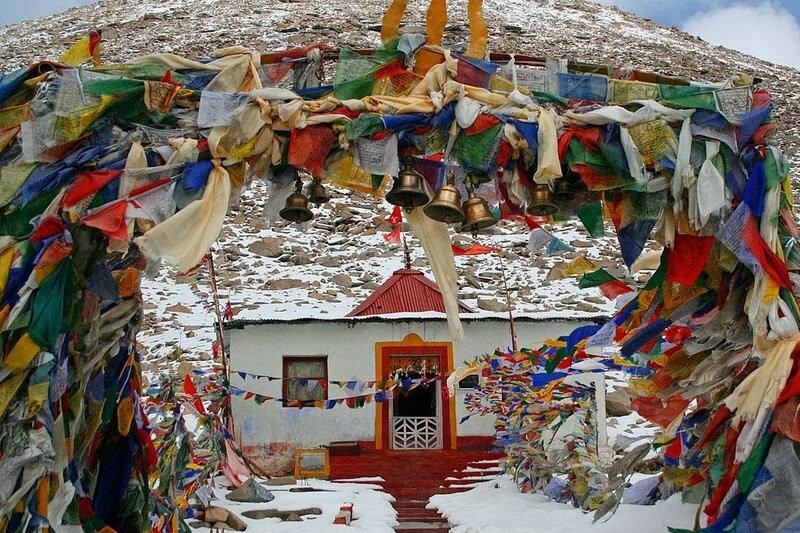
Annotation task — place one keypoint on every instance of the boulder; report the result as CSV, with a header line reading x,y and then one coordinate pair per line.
x,y
294,517
618,403
236,523
215,514
252,492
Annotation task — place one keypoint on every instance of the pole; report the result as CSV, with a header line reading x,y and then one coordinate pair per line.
x,y
220,339
508,303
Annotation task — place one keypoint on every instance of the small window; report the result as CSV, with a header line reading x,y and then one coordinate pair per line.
x,y
305,379
469,382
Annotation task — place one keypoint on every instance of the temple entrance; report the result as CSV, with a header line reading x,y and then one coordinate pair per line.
x,y
419,416
416,411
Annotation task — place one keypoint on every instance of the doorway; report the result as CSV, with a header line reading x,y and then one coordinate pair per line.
x,y
418,417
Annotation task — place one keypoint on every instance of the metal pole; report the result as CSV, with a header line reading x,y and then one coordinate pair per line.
x,y
508,303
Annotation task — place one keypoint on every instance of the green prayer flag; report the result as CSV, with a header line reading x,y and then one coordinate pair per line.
x,y
595,279
753,463
591,215
660,275
48,307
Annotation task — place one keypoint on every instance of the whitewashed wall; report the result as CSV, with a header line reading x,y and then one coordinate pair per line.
x,y
350,347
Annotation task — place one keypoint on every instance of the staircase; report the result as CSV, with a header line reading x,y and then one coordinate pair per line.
x,y
412,477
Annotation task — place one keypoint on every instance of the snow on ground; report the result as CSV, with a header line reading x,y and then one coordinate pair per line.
x,y
498,507
372,508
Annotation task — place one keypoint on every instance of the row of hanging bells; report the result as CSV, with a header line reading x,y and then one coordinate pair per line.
x,y
473,214
408,191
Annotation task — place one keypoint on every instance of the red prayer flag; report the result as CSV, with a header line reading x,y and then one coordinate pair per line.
x,y
475,249
191,390
110,220
614,289
394,235
482,123
687,258
396,217
48,227
87,183
309,147
769,260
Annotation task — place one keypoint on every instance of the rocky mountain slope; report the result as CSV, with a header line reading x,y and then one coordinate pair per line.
x,y
326,267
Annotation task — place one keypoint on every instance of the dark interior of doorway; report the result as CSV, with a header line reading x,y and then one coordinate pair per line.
x,y
419,401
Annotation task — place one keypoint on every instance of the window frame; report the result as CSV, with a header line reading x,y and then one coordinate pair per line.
x,y
287,360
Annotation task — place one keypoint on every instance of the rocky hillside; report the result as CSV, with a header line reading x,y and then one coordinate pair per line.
x,y
329,265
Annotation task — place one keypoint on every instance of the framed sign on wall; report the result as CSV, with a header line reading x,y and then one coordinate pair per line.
x,y
312,463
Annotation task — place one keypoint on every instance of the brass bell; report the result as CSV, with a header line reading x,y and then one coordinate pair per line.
x,y
476,211
408,190
318,195
542,204
476,214
296,208
446,204
563,193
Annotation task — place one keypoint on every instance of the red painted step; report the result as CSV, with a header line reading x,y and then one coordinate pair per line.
x,y
412,477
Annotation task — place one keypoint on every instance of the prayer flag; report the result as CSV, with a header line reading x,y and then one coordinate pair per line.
x,y
87,183
475,249
110,220
591,215
396,217
687,258
83,50
394,235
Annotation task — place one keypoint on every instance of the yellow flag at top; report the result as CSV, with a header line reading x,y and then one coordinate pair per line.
x,y
83,50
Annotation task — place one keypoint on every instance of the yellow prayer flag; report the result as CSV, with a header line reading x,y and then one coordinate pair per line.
x,y
22,353
579,266
78,53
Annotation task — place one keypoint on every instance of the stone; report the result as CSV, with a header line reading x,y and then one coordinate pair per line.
x,y
252,492
618,403
328,261
285,283
177,308
236,523
219,526
280,480
342,280
300,259
492,305
267,247
215,514
294,517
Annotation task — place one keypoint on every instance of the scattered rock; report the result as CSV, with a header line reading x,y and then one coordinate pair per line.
x,y
284,283
280,480
342,280
252,492
259,514
178,308
328,261
294,517
267,247
492,305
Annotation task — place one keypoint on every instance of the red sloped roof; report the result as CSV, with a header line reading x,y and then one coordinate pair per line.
x,y
407,291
